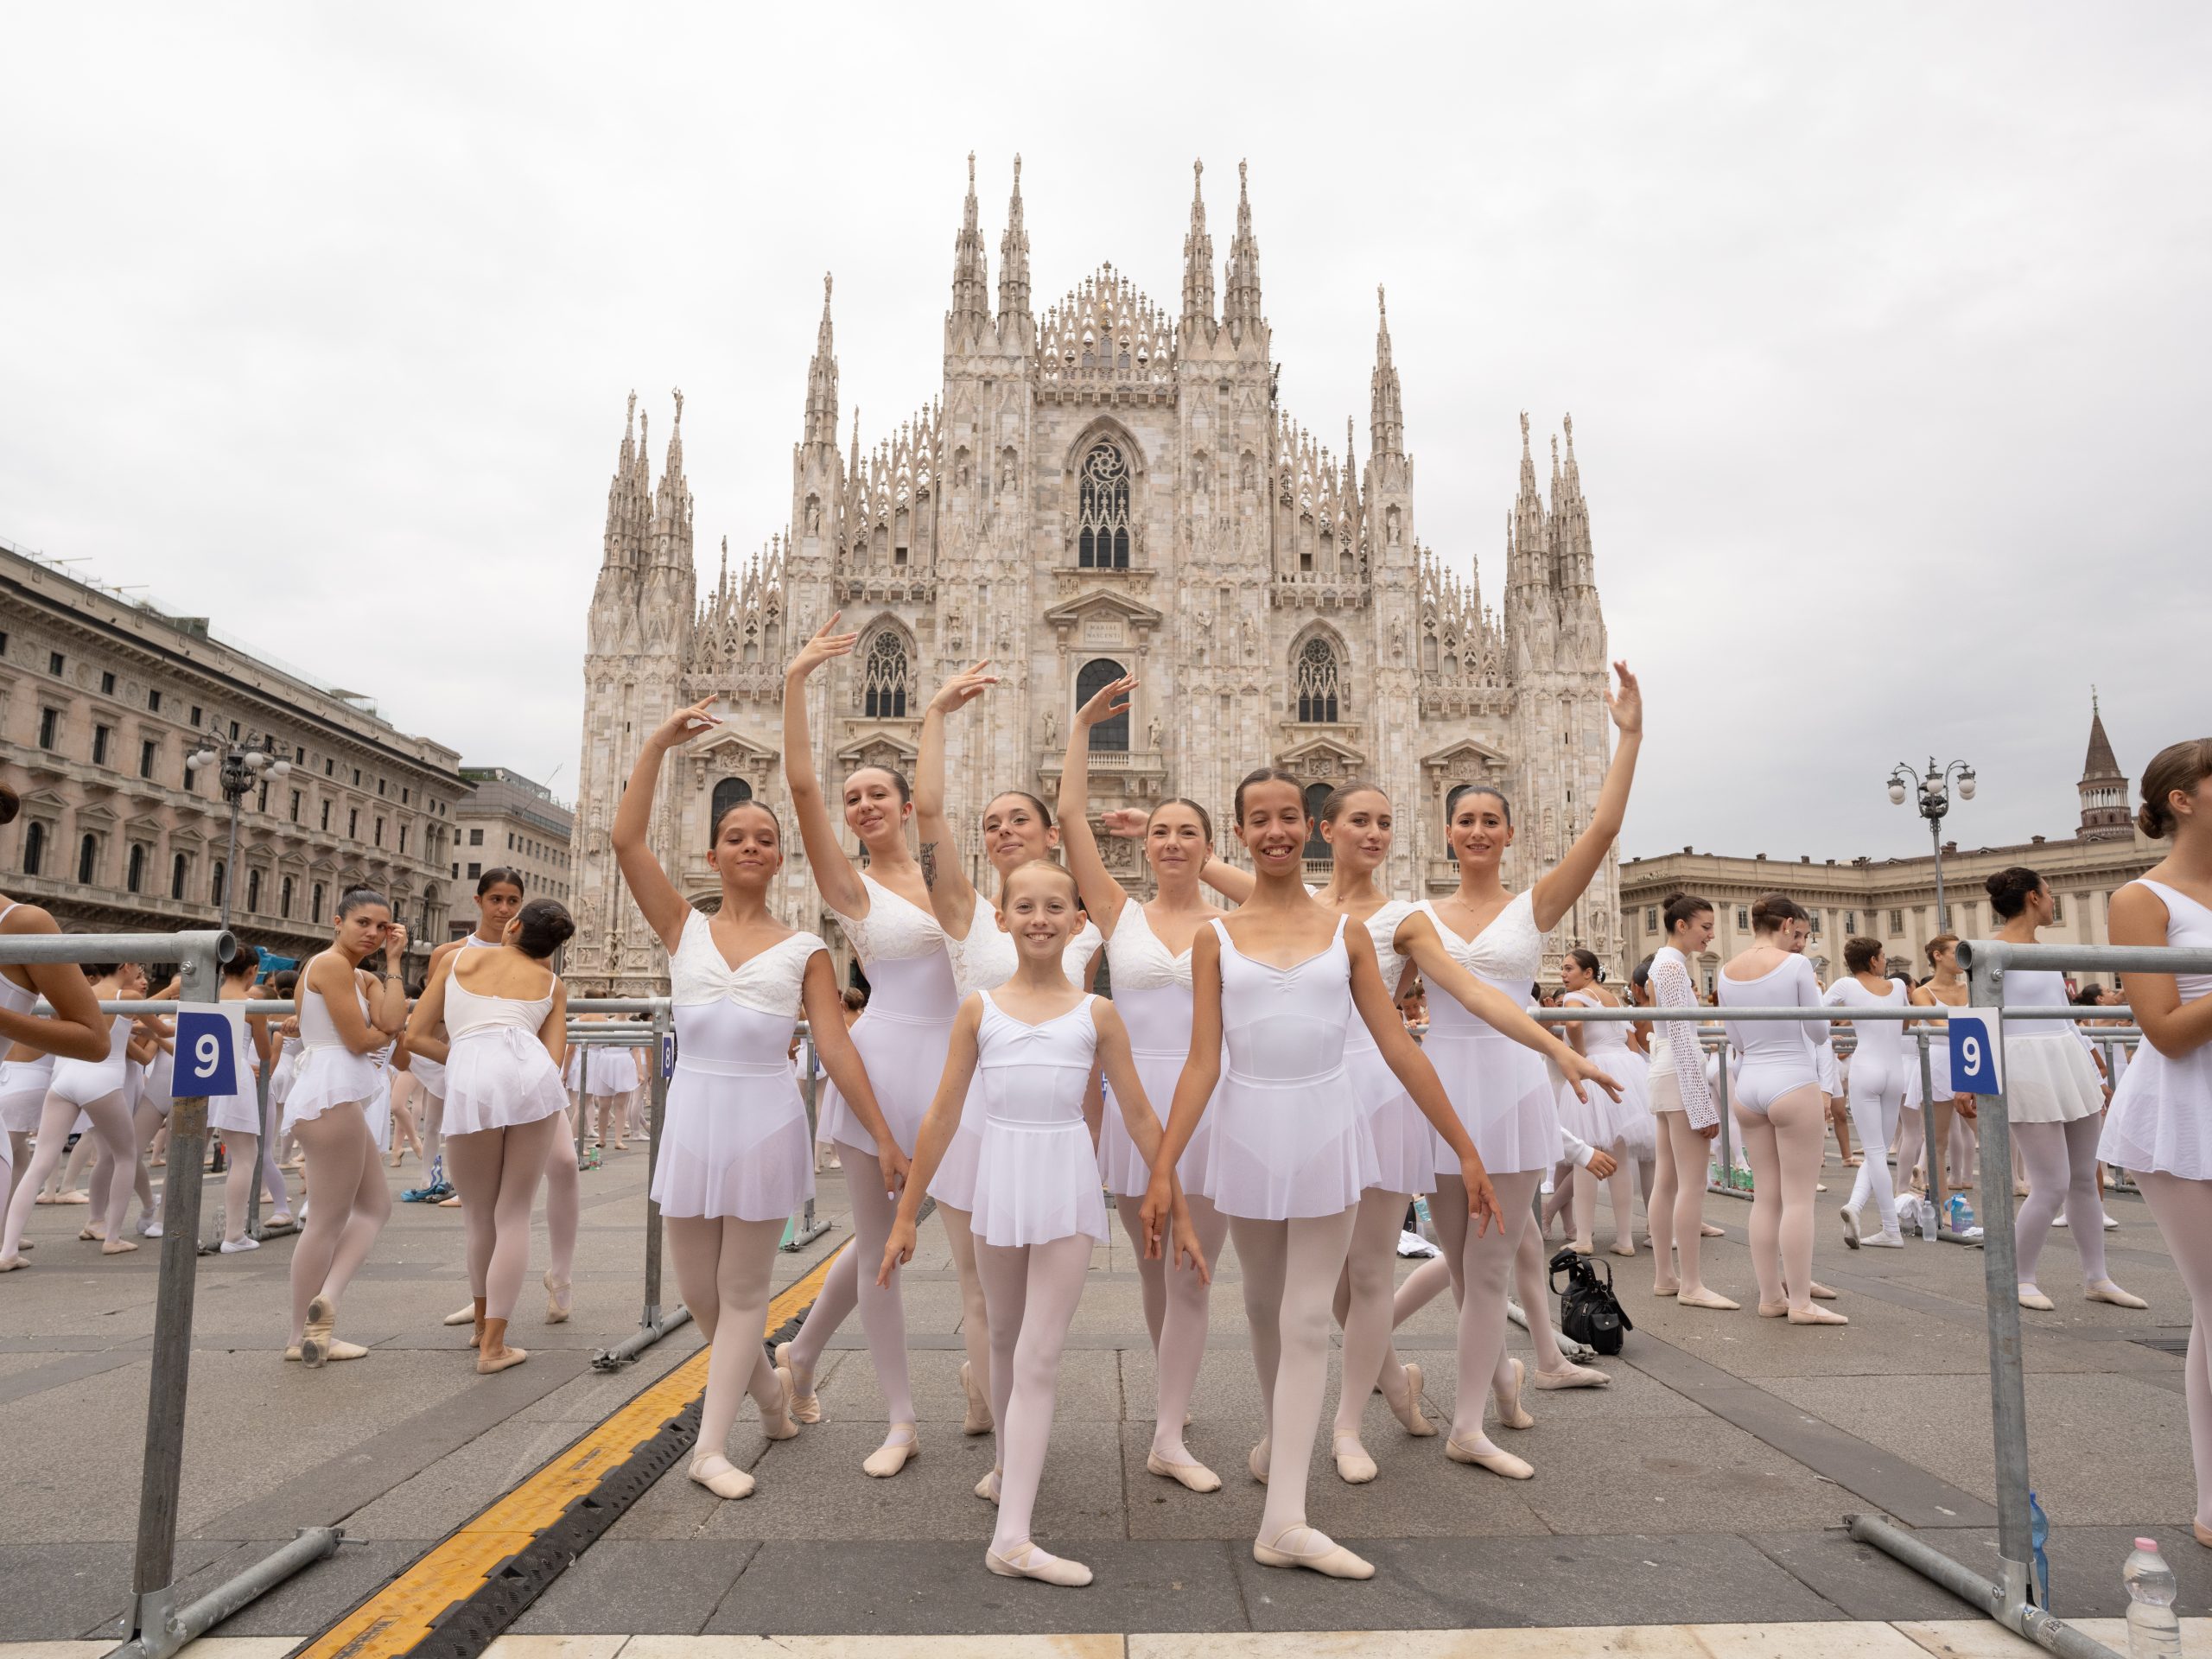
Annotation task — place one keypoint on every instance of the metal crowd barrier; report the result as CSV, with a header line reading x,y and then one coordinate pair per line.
x,y
158,1625
654,1321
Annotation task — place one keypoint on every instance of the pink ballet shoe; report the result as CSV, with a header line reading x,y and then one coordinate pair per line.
x,y
2105,1290
1354,1466
314,1346
1706,1230
1817,1316
1497,1462
1573,1377
1315,1551
2033,1298
1196,1476
1256,1461
559,1295
1628,1249
1026,1560
1411,1418
978,1420
2203,1533
892,1456
1511,1413
338,1348
776,1424
988,1487
1702,1297
1667,1293
1773,1310
462,1315
12,1263
727,1481
805,1408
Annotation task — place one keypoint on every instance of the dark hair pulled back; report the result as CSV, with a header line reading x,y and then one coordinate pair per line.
x,y
2010,890
544,926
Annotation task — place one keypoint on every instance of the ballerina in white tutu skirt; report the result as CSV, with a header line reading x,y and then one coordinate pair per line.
x,y
1028,1046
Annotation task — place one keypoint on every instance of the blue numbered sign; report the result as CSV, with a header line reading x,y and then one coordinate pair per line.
x,y
667,1055
1975,1054
206,1053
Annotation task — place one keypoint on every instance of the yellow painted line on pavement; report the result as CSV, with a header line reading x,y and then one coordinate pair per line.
x,y
398,1617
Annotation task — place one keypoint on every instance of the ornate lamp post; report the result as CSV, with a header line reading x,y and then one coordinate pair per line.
x,y
1935,791
245,764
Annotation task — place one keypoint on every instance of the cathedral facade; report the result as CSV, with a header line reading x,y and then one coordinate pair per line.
x,y
1099,489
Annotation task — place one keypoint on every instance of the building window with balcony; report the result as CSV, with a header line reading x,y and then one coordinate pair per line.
x,y
178,868
134,875
49,726
88,859
34,847
1109,736
1316,680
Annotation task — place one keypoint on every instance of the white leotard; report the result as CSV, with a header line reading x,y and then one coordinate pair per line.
x,y
903,1033
1501,1091
1779,1055
1037,1180
497,1073
1152,992
1879,1060
2161,1116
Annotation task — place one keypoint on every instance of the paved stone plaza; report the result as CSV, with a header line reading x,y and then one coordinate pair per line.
x,y
1707,1486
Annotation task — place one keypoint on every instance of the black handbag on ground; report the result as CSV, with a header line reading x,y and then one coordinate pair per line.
x,y
1589,1313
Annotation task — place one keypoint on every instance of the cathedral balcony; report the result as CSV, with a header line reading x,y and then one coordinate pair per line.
x,y
885,587
1303,590
1117,776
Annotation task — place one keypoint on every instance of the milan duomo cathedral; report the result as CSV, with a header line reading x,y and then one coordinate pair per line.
x,y
1097,490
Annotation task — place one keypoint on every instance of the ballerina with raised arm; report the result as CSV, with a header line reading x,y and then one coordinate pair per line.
x,y
1017,830
1278,984
901,1041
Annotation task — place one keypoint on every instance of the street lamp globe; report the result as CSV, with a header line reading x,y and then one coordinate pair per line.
x,y
279,768
1965,784
203,757
1897,792
255,760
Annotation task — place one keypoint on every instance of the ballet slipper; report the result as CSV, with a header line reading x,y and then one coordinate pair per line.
x,y
1196,1476
621,1145
2203,1533
1257,1461
234,1246
1809,1315
1885,1240
892,1456
1572,1377
12,1263
462,1316
314,1346
978,1420
1497,1462
1667,1293
776,1424
559,1294
1316,1552
494,1353
1706,1230
805,1408
1354,1466
2030,1297
1773,1310
46,1198
1850,1228
1026,1560
1583,1245
2105,1290
92,1233
1713,1299
453,1203
1511,1413
988,1487
280,1219
1821,1293
74,1198
1619,1249
1415,1423
339,1350
727,1482
116,1246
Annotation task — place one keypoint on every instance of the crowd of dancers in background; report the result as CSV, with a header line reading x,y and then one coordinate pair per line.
x,y
1252,1079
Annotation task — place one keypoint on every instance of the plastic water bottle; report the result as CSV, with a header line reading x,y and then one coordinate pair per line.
x,y
2154,1632
2039,1565
1961,1213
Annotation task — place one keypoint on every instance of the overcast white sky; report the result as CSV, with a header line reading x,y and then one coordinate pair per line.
x,y
1884,329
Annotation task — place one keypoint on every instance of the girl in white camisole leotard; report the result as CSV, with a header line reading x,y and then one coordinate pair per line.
x,y
2159,1128
1875,1088
1016,829
1028,1048
733,1160
1595,1116
29,1041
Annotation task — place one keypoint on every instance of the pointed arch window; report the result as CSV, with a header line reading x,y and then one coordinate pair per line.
x,y
1109,736
1103,524
883,678
1316,680
730,791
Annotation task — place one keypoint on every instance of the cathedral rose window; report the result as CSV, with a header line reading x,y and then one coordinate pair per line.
x,y
1103,533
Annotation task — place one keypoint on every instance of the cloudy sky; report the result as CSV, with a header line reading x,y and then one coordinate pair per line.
x,y
1885,330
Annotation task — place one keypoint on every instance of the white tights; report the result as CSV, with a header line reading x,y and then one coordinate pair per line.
x,y
1182,1341
975,1311
1363,1304
564,1199
2062,1164
1874,1115
111,1126
249,1158
1785,1147
1152,1271
1620,1187
347,1206
1032,1290
883,1313
722,1269
496,1171
1481,1264
2182,1209
1676,1209
1290,1271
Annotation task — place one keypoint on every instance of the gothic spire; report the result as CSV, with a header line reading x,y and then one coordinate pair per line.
x,y
821,380
1242,309
2100,762
970,279
1386,417
1571,518
623,511
1198,256
1014,256
2103,788
1526,562
672,504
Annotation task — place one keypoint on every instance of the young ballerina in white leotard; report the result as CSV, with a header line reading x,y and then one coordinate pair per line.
x,y
1876,1089
1951,1114
1028,1047
1688,1117
348,1015
1277,984
2159,1128
237,1117
2054,1100
1016,829
733,1161
502,1016
1596,1117
901,1039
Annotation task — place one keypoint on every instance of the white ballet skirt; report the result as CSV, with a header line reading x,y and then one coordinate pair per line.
x,y
609,1068
1405,1140
329,1073
1289,1137
1502,1091
23,1084
2161,1116
238,1113
984,961
1037,1179
734,1142
2049,1075
287,1068
1601,1120
497,1073
1939,1064
429,1075
1152,992
903,1033
572,1070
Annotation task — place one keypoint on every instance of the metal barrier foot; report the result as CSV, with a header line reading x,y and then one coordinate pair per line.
x,y
162,1628
804,1236
652,1328
2012,1609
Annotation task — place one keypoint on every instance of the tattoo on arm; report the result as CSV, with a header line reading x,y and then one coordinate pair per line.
x,y
929,864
